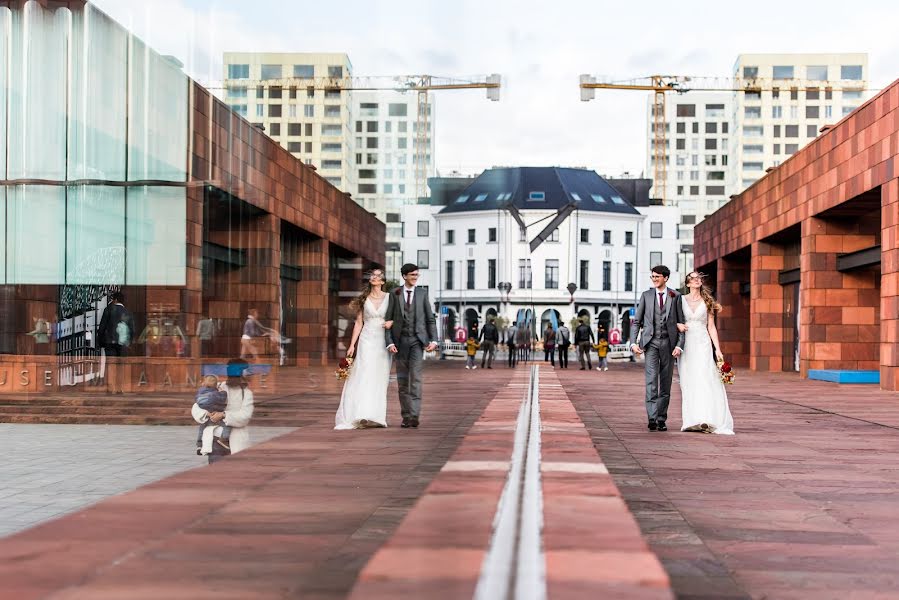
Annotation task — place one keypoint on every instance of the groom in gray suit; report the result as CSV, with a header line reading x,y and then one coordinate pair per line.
x,y
658,314
414,329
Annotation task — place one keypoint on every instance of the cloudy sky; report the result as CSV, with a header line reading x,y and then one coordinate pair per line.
x,y
540,48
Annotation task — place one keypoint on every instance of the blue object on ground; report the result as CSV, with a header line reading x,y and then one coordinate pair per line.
x,y
837,376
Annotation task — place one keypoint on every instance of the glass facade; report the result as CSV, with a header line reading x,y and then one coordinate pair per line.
x,y
119,175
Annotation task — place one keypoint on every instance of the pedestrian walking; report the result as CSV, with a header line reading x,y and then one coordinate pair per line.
x,y
511,338
549,345
471,348
602,352
563,337
583,338
489,339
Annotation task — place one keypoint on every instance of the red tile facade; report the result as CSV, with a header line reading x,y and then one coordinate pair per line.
x,y
839,194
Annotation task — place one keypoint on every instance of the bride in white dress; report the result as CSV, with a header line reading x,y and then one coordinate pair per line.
x,y
364,400
704,401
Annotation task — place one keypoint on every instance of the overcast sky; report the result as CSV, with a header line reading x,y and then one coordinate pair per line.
x,y
540,48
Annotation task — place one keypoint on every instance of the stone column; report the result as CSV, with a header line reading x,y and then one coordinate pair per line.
x,y
767,332
889,286
733,320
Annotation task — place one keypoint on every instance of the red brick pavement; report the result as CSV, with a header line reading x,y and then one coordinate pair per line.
x,y
801,503
296,517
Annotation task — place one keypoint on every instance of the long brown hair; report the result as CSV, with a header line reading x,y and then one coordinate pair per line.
x,y
358,302
711,304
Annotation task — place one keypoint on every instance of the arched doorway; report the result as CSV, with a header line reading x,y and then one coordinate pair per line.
x,y
603,324
626,324
449,323
472,322
550,316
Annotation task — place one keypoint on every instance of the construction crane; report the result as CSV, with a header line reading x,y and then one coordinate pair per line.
x,y
660,85
422,85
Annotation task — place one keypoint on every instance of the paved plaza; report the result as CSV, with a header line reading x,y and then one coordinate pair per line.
x,y
799,504
52,470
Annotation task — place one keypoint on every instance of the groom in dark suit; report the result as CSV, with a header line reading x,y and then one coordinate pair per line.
x,y
658,314
414,330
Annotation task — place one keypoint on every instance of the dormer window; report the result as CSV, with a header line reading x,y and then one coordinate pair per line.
x,y
536,197
461,199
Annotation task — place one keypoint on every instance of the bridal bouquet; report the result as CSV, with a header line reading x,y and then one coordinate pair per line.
x,y
343,368
726,372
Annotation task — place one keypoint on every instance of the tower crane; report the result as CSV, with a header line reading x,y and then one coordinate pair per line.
x,y
422,85
660,85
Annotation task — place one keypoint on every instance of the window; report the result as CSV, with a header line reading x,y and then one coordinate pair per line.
x,y
711,144
724,127
309,111
368,188
397,110
655,229
401,126
491,273
238,71
752,166
331,129
828,111
753,148
462,199
524,274
752,95
617,200
791,148
848,109
686,110
332,94
811,131
276,92
491,234
794,112
711,127
271,72
480,197
816,72
791,131
274,110
260,110
470,272
812,94
304,71
812,112
655,258
853,72
680,144
694,190
777,131
371,158
471,236
332,111
332,147
370,126
237,91
694,175
585,275
783,72
240,109
681,128
275,129
713,111
294,146
711,160
776,149
423,228
335,71
422,259
852,95
607,236
551,274
448,275
310,91
387,126
777,112
715,176
628,238
450,236
685,220
388,188
749,73
752,112
695,127
628,277
554,236
714,190
536,196
606,275
585,236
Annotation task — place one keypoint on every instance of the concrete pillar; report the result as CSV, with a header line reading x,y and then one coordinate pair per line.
x,y
733,320
767,331
889,286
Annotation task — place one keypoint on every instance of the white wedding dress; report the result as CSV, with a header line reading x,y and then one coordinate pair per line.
x,y
364,400
704,400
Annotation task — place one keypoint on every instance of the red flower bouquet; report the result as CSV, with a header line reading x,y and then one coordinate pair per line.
x,y
343,367
726,372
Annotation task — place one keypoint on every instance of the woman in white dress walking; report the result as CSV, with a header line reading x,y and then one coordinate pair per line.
x,y
704,400
364,400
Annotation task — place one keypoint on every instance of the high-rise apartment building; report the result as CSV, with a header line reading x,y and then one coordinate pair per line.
x,y
297,97
719,143
798,94
698,127
385,160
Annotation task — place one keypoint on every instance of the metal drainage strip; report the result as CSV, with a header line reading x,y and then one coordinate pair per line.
x,y
515,566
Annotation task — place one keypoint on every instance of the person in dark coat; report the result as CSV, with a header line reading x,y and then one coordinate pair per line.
x,y
489,340
114,335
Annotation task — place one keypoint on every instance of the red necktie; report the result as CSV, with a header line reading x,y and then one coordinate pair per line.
x,y
661,301
408,298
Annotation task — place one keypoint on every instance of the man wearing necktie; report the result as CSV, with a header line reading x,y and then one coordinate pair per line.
x,y
657,316
414,332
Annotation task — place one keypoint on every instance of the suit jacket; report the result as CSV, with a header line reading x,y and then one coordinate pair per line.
x,y
644,316
425,323
106,331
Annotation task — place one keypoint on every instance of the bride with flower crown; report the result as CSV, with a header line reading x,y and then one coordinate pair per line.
x,y
363,403
704,405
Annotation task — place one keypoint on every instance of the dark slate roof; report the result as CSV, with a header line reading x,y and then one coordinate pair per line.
x,y
523,186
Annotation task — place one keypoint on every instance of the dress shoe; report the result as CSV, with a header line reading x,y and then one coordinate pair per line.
x,y
413,422
652,425
405,422
663,427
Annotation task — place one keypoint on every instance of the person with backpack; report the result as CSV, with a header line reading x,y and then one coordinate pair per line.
x,y
563,337
114,335
489,341
583,338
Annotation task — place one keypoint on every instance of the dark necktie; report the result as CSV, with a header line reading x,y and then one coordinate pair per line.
x,y
661,301
408,299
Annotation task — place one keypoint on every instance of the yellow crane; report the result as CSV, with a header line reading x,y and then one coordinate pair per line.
x,y
422,85
660,85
